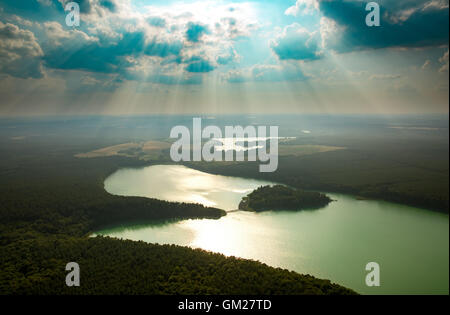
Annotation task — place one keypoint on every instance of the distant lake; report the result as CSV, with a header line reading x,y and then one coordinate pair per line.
x,y
336,242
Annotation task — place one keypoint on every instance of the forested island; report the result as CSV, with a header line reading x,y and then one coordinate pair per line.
x,y
279,197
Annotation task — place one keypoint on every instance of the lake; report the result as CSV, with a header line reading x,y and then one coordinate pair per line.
x,y
411,245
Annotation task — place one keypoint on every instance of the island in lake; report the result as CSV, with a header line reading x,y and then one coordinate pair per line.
x,y
279,197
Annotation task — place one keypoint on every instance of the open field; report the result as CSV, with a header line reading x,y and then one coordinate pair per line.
x,y
145,150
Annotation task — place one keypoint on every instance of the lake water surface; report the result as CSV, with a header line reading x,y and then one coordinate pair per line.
x,y
411,245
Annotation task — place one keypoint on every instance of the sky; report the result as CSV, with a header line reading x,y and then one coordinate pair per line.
x,y
131,57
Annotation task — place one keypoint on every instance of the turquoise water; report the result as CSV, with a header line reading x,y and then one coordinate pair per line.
x,y
411,245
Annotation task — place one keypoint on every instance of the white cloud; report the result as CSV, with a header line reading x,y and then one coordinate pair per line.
x,y
303,7
297,43
19,20
402,15
444,60
56,34
330,32
426,65
20,53
436,4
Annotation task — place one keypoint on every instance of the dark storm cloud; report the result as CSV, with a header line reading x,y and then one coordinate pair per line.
x,y
110,5
163,49
195,31
199,65
46,10
110,48
96,57
403,24
85,5
35,10
91,56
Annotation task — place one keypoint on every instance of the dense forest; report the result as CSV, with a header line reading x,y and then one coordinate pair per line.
x,y
51,201
279,197
111,266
